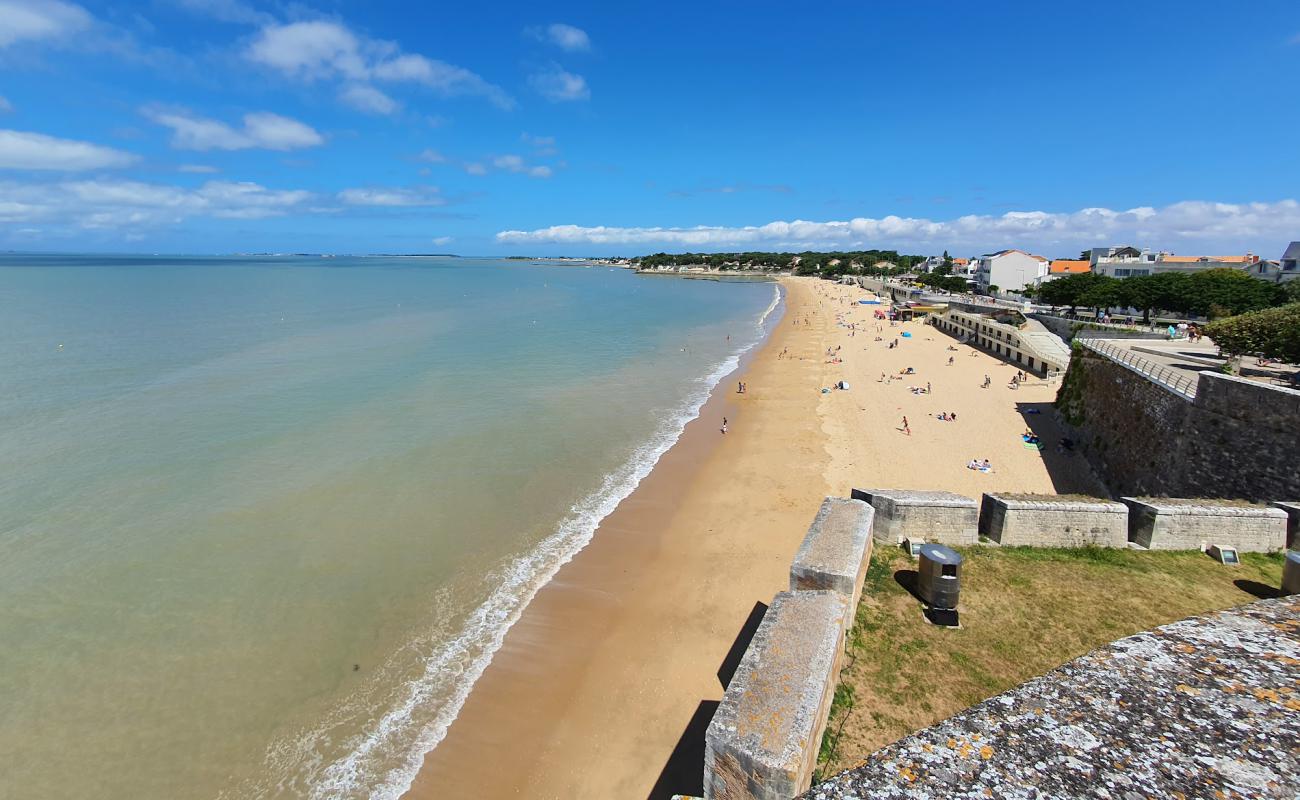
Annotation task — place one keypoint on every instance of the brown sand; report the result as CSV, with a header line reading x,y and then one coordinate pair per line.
x,y
604,686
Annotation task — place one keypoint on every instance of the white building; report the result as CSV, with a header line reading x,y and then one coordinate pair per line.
x,y
1129,262
1009,270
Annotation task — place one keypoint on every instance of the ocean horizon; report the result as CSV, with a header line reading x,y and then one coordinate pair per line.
x,y
266,519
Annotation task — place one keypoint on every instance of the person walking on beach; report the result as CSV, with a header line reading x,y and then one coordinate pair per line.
x,y
724,425
907,429
987,382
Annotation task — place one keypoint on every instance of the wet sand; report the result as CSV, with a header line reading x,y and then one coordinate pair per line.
x,y
605,685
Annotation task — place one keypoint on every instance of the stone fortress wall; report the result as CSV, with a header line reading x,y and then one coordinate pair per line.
x,y
1237,439
763,740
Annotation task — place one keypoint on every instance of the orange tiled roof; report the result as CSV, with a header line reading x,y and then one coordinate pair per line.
x,y
961,262
1195,259
1065,265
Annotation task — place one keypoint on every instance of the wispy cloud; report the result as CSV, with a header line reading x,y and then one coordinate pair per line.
x,y
443,240
198,169
227,11
108,204
738,188
542,145
368,99
393,197
36,151
1190,223
559,86
430,156
510,162
565,37
325,50
261,130
40,19
5,105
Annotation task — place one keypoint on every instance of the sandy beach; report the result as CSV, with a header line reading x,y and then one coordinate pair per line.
x,y
605,685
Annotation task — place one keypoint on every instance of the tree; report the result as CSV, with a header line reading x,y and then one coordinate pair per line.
x,y
1103,293
1272,333
954,283
1147,293
1070,290
1227,292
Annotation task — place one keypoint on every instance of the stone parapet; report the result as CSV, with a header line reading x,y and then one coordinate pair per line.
x,y
942,517
1292,523
1201,708
764,738
835,552
1048,521
1161,523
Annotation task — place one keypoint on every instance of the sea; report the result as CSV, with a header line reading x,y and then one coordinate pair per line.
x,y
264,520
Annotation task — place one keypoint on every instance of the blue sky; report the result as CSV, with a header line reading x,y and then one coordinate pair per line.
x,y
214,126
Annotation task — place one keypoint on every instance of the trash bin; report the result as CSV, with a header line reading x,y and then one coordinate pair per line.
x,y
1291,573
940,576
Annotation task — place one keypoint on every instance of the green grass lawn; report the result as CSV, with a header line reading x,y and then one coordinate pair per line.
x,y
1024,611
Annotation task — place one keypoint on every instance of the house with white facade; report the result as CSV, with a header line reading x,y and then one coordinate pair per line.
x,y
1129,262
1009,269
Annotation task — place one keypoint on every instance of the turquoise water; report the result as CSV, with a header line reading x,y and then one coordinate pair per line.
x,y
263,521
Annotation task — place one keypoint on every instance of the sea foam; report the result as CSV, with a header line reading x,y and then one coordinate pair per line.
x,y
385,759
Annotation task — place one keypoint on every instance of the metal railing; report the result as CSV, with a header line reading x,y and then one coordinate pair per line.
x,y
1178,381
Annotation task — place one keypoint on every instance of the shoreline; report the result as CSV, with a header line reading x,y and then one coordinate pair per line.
x,y
606,683
631,614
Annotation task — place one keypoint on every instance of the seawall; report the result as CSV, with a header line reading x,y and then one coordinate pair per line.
x,y
1237,439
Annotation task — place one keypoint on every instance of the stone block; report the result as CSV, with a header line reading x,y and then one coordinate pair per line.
x,y
763,741
835,552
1048,521
1292,523
942,517
1164,523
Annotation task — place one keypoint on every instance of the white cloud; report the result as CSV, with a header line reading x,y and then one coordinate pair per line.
x,y
5,105
261,130
40,19
324,50
23,150
1229,226
198,169
559,86
565,37
392,197
367,98
227,11
510,163
430,156
107,204
443,240
542,145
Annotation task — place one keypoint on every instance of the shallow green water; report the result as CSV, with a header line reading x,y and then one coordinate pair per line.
x,y
263,521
